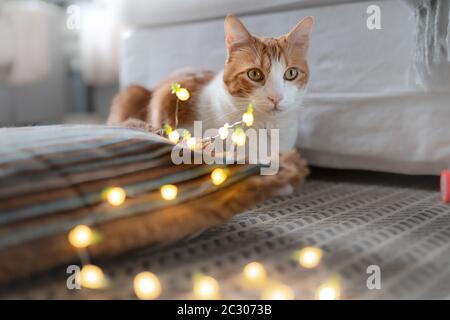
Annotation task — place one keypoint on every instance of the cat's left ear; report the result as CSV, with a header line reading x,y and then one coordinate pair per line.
x,y
299,35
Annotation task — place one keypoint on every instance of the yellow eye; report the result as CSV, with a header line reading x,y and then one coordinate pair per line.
x,y
255,75
290,74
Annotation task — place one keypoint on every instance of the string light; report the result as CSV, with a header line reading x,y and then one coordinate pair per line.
x,y
81,236
183,94
224,132
174,137
92,277
278,292
218,176
254,273
206,287
309,257
247,117
191,143
186,134
115,196
169,192
239,137
330,290
147,286
327,293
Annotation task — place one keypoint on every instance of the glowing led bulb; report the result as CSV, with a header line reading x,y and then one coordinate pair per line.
x,y
174,136
223,132
92,277
206,287
169,192
255,273
278,292
327,293
330,290
147,286
183,94
239,137
309,257
248,119
81,236
191,143
218,176
115,196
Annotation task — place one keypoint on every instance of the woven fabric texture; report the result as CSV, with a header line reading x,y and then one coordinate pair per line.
x,y
358,219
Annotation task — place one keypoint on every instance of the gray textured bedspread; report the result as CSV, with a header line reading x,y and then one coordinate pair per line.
x,y
358,218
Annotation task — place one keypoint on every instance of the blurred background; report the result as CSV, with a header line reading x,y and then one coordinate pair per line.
x,y
58,61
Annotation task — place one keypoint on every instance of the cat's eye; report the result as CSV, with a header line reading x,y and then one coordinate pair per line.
x,y
290,74
255,74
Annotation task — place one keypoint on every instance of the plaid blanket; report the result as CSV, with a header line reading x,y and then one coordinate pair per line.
x,y
52,179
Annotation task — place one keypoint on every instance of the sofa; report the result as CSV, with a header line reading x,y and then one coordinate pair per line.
x,y
373,101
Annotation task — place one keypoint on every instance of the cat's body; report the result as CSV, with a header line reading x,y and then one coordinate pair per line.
x,y
272,74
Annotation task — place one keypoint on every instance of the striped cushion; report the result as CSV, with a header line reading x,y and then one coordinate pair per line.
x,y
52,179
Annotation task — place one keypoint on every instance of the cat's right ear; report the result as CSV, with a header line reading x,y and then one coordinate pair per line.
x,y
300,34
235,32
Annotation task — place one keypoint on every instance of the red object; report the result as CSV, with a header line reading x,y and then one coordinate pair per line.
x,y
445,186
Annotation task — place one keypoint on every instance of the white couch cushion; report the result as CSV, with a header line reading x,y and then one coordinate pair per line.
x,y
360,111
345,56
162,12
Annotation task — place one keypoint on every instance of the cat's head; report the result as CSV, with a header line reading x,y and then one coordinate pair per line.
x,y
271,73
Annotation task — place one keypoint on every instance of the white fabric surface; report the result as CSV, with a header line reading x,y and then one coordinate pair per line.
x,y
360,112
404,133
28,23
163,12
345,56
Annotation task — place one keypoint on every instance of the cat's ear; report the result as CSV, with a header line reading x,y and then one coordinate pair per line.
x,y
299,35
235,32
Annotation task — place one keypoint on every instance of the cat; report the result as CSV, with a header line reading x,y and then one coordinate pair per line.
x,y
270,73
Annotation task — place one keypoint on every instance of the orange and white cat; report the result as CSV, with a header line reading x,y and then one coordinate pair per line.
x,y
272,74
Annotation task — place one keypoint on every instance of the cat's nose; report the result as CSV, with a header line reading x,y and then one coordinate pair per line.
x,y
275,99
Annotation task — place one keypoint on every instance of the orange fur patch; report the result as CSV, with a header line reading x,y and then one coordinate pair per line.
x,y
157,107
129,104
